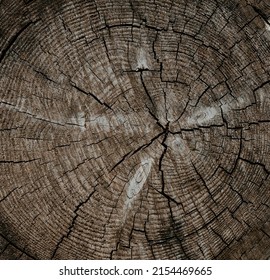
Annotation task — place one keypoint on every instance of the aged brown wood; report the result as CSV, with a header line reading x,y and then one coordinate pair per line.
x,y
134,129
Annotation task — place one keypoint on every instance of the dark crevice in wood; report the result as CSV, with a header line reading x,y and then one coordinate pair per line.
x,y
145,89
155,118
18,161
262,85
8,194
114,250
17,247
267,234
129,25
202,180
90,94
262,14
165,147
176,230
45,76
207,223
13,40
201,95
256,163
220,237
70,228
131,153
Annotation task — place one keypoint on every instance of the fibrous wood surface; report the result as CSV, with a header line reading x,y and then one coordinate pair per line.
x,y
134,129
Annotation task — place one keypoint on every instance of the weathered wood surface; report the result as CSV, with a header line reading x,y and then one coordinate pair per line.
x,y
134,129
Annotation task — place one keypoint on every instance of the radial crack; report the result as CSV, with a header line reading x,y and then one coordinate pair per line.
x,y
90,94
70,228
146,90
131,153
166,131
261,14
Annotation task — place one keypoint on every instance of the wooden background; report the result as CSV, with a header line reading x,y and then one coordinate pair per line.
x,y
134,129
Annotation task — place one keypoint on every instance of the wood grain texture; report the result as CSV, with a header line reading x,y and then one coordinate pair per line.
x,y
134,129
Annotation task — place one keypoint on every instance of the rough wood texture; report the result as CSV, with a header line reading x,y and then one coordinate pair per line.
x,y
134,129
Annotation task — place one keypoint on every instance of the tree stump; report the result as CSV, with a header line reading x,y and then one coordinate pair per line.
x,y
134,129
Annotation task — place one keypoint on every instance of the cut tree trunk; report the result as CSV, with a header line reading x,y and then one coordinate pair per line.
x,y
134,129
